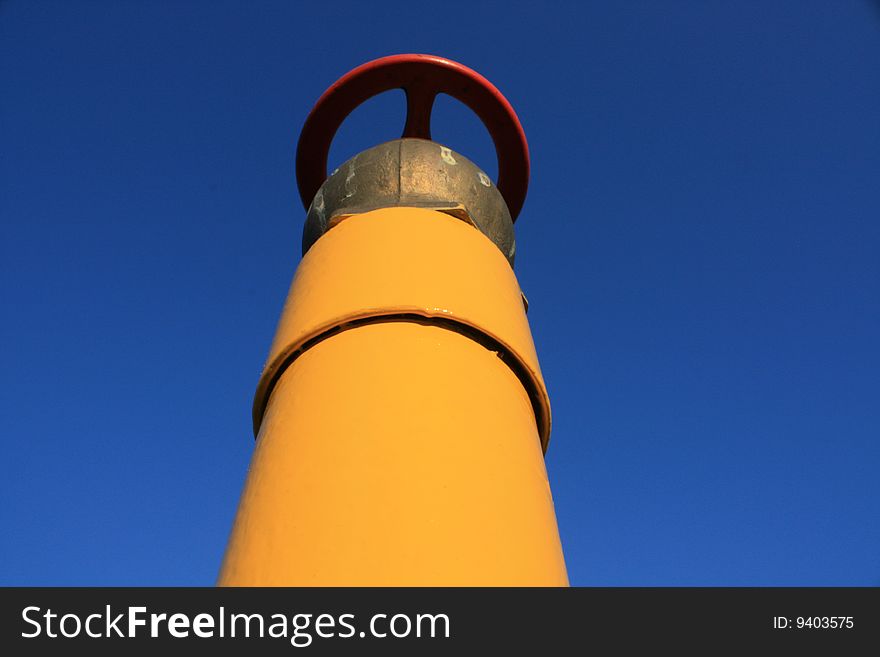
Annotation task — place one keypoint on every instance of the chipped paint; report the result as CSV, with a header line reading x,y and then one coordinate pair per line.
x,y
349,191
319,202
485,179
446,155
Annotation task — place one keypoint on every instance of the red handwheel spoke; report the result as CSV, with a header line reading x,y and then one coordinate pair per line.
x,y
419,103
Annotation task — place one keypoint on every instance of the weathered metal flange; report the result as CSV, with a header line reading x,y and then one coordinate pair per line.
x,y
414,173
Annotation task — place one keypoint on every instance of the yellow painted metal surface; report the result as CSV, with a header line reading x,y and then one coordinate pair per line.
x,y
400,419
399,261
416,463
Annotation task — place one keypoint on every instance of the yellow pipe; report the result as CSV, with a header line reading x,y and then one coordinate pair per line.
x,y
401,419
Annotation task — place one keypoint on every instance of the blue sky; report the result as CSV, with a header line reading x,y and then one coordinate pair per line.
x,y
699,248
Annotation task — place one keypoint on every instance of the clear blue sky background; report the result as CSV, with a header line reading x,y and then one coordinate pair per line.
x,y
700,246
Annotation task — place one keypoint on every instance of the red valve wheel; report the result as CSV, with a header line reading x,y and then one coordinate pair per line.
x,y
422,77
